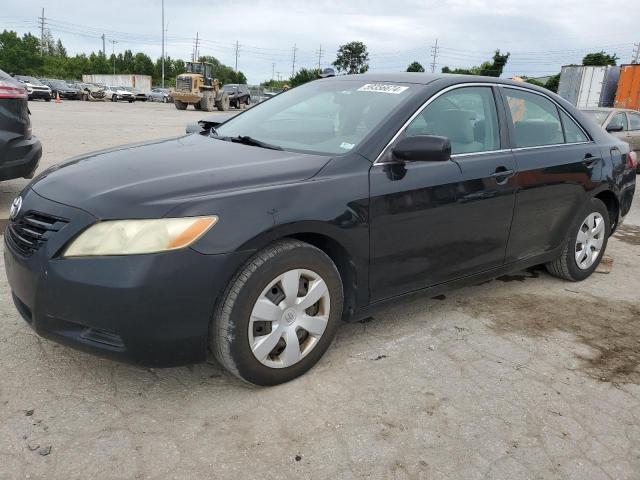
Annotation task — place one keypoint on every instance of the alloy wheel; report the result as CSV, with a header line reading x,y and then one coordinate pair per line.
x,y
289,318
589,240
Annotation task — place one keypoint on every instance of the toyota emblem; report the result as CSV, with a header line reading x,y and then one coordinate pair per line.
x,y
15,208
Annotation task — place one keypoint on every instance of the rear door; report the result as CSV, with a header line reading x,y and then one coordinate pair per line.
x,y
557,163
634,130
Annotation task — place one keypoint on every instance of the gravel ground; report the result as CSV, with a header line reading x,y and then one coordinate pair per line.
x,y
523,377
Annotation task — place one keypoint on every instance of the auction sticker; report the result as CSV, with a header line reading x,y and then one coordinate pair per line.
x,y
382,88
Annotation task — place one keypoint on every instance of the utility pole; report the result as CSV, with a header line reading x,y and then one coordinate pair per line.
x,y
195,56
273,70
319,52
113,54
293,65
42,32
434,52
162,44
279,75
636,53
237,49
104,50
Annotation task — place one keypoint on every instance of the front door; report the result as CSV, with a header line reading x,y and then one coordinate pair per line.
x,y
432,222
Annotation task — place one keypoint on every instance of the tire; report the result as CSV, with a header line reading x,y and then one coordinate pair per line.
x,y
197,106
164,100
247,101
131,101
566,266
114,98
230,328
48,99
207,103
85,97
180,105
223,103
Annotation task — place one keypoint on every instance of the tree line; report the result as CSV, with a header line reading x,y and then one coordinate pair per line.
x,y
28,55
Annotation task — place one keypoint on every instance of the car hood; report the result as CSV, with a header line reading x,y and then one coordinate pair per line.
x,y
147,180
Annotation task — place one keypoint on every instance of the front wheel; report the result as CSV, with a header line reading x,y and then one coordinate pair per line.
x,y
279,314
586,244
180,105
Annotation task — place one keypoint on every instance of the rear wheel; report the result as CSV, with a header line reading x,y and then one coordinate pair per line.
x,y
585,246
208,101
114,98
278,314
223,103
164,100
180,105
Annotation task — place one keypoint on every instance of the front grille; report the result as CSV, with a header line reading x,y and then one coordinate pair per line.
x,y
29,232
183,83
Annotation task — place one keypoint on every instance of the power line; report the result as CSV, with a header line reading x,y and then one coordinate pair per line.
x,y
42,20
113,54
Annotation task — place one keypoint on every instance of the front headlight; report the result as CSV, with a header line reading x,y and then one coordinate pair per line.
x,y
131,237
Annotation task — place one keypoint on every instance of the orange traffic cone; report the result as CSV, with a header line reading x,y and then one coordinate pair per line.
x,y
58,97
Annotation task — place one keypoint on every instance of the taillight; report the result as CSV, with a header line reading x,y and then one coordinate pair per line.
x,y
632,160
11,90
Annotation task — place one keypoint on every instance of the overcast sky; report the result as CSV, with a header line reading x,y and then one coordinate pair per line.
x,y
541,35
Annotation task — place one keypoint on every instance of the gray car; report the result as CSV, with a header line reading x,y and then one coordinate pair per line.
x,y
621,123
159,95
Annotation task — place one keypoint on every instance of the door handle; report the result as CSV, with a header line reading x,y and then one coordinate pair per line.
x,y
502,174
590,161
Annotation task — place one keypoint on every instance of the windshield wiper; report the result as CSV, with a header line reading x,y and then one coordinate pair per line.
x,y
244,139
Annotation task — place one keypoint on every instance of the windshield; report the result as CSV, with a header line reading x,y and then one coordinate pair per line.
x,y
31,80
326,117
597,116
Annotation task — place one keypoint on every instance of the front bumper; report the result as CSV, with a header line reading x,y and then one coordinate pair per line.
x,y
43,94
152,309
19,157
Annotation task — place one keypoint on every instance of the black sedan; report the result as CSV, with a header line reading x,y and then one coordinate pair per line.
x,y
20,151
63,89
252,239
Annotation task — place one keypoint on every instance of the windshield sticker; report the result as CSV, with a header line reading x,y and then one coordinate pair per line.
x,y
382,88
347,146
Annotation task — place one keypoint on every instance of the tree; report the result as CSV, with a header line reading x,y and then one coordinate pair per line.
x,y
60,50
552,83
415,67
600,59
304,75
535,82
487,69
20,55
352,58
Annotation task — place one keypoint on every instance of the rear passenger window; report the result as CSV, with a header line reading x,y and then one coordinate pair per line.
x,y
634,121
535,119
466,116
572,132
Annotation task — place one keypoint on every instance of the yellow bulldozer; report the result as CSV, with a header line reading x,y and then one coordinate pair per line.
x,y
197,87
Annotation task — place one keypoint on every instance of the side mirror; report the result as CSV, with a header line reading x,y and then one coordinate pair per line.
x,y
423,148
615,128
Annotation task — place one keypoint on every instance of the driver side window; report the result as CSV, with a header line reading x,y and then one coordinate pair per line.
x,y
466,116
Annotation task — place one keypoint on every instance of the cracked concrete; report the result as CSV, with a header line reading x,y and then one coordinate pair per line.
x,y
525,377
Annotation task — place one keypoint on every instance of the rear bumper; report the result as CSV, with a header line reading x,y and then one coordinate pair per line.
x,y
153,310
19,158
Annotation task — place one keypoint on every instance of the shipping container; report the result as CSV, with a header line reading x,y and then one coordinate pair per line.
x,y
628,95
139,82
589,86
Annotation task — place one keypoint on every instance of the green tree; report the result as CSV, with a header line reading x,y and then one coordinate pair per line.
x,y
352,58
535,82
142,64
552,83
20,55
415,67
304,75
600,59
60,50
493,68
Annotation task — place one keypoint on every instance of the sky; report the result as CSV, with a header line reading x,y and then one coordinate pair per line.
x,y
541,35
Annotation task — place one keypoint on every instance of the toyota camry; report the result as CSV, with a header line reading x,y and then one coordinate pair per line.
x,y
252,239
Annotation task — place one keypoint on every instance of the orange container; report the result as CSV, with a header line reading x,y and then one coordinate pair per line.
x,y
628,94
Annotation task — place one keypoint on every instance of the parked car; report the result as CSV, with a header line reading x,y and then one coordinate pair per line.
x,y
60,87
137,94
118,93
253,239
621,123
239,94
35,88
20,151
159,95
90,92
